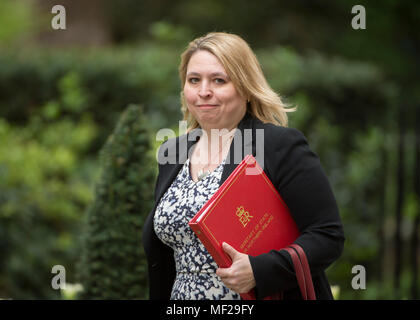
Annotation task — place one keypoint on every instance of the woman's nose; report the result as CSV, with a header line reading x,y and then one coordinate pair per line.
x,y
204,90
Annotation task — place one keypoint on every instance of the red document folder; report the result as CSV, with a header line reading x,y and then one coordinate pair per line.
x,y
248,213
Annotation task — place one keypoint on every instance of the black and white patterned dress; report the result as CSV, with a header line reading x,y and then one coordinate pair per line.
x,y
195,268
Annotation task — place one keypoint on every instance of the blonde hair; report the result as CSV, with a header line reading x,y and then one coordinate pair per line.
x,y
244,70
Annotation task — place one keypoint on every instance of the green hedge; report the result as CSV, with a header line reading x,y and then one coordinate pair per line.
x,y
113,265
98,82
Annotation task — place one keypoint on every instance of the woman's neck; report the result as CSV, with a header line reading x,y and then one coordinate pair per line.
x,y
214,135
213,145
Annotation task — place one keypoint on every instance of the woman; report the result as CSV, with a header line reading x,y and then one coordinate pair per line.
x,y
224,93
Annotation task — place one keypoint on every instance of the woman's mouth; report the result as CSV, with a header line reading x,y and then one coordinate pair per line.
x,y
207,106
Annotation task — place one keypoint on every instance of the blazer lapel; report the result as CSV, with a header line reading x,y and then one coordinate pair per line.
x,y
242,145
181,148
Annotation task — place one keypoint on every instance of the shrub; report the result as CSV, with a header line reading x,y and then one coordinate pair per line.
x,y
113,264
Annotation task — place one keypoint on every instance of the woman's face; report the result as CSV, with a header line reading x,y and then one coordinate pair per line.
x,y
210,95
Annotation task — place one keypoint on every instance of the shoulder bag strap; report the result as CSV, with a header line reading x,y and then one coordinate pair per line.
x,y
303,273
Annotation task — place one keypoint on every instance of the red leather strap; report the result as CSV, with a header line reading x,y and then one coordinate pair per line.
x,y
300,276
303,273
307,271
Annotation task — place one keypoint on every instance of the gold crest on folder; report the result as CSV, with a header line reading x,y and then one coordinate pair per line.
x,y
244,216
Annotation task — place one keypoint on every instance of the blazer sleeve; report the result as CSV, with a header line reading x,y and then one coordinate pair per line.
x,y
297,174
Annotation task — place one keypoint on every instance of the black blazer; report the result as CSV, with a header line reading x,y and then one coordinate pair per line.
x,y
297,174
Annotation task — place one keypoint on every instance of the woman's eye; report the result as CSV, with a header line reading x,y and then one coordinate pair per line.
x,y
216,80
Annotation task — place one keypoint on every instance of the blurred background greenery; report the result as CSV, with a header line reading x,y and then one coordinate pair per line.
x,y
69,134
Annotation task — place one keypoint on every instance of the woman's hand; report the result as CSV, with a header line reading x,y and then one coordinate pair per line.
x,y
239,276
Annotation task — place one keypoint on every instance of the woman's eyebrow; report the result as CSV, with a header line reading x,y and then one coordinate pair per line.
x,y
214,74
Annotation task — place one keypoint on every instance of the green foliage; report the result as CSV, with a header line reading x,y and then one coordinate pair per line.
x,y
164,32
44,188
114,264
15,21
345,93
96,82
